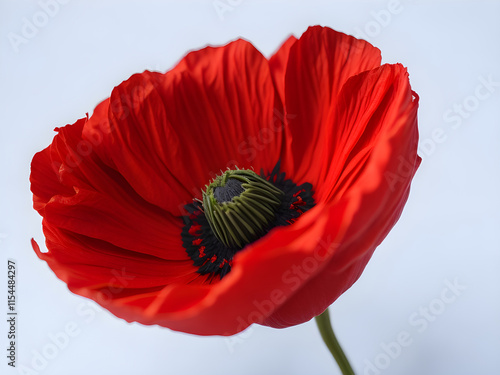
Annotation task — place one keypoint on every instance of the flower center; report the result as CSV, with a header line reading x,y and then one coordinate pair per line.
x,y
240,206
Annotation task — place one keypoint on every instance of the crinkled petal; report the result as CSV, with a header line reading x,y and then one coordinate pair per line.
x,y
378,115
278,63
173,133
319,64
261,279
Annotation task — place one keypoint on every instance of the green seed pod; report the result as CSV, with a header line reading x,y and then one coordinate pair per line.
x,y
240,206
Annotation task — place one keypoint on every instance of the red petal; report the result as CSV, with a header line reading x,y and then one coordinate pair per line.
x,y
372,105
118,222
97,130
94,200
278,63
44,181
379,116
320,62
259,282
115,172
213,111
98,214
97,227
82,261
227,96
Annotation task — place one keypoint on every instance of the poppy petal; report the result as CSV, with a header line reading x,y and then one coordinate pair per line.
x,y
45,182
372,105
208,115
380,106
319,64
100,268
92,199
261,279
278,63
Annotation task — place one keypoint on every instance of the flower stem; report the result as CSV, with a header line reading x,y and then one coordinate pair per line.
x,y
325,328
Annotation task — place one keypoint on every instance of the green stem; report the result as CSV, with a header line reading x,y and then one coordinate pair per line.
x,y
325,328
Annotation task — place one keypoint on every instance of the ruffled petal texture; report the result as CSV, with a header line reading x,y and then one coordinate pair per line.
x,y
319,64
376,132
112,188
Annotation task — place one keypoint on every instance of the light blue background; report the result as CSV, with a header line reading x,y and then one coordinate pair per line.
x,y
449,231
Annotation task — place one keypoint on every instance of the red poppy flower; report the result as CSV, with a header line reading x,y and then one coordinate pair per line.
x,y
308,156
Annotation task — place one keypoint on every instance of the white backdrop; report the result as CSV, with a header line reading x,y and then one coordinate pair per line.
x,y
53,72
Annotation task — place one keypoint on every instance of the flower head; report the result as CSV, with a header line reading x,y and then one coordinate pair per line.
x,y
233,189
